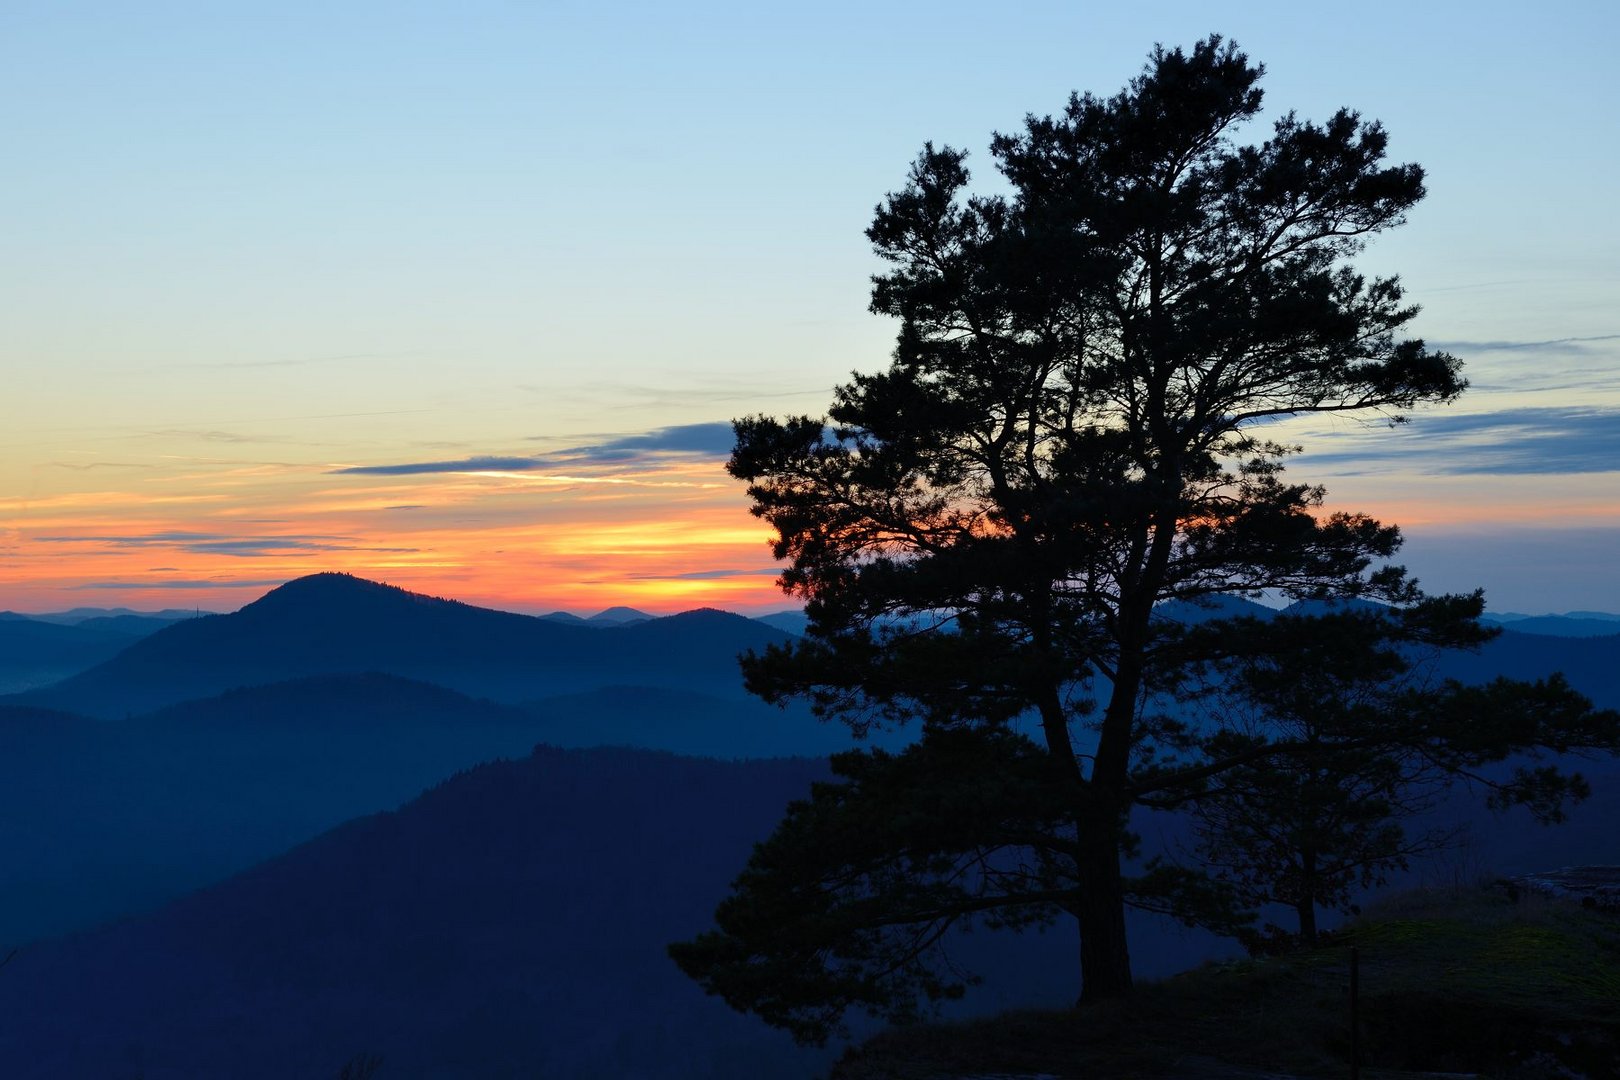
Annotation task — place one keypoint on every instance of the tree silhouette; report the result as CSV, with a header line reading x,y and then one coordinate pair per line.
x,y
1373,740
1076,427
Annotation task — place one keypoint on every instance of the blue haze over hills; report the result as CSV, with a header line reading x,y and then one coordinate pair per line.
x,y
510,922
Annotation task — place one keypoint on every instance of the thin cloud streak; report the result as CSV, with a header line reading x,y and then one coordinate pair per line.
x,y
704,440
230,545
191,584
709,439
1568,345
464,465
706,575
1533,441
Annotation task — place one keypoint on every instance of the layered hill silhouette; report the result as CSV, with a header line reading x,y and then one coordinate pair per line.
x,y
236,736
38,651
101,819
510,922
335,623
106,817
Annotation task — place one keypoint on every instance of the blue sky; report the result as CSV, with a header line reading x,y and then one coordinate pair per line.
x,y
263,263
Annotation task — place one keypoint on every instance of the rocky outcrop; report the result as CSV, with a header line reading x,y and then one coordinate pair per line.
x,y
1590,886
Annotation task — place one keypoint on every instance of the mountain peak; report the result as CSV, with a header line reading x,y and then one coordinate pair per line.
x,y
336,587
619,614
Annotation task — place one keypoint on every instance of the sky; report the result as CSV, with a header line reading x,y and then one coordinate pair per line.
x,y
463,297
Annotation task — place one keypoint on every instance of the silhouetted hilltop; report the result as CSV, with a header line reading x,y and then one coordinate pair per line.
x,y
103,818
1575,624
510,922
1592,664
619,615
34,652
78,615
1219,606
335,623
794,622
110,817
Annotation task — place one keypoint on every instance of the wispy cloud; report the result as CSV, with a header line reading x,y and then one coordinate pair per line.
x,y
213,435
706,575
1569,346
86,466
298,361
178,583
719,391
1526,441
709,440
241,547
461,465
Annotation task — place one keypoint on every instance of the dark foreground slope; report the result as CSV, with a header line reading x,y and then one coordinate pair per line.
x,y
337,624
1454,982
509,923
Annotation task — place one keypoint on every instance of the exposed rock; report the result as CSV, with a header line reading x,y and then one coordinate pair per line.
x,y
1591,886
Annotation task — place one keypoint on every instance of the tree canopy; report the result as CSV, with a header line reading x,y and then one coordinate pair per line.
x,y
1371,741
1075,436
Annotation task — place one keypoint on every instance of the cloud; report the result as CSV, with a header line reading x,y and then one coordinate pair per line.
x,y
177,583
706,575
241,547
471,464
1525,441
1573,346
214,436
703,440
720,391
304,361
711,439
88,465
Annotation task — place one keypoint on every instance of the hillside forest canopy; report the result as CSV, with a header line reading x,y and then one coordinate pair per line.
x,y
1017,535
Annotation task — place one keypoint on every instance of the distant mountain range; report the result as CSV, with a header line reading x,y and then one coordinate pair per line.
x,y
613,616
101,818
39,650
334,623
236,736
80,615
510,921
1571,624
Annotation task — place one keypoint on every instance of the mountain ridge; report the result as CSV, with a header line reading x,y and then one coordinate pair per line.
x,y
334,623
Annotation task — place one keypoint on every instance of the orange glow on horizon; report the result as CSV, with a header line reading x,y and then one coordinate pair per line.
x,y
665,538
662,534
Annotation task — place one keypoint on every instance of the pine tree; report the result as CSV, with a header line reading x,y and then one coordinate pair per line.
x,y
1073,432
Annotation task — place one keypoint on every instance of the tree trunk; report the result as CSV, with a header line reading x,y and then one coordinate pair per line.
x,y
1105,959
1306,910
1306,904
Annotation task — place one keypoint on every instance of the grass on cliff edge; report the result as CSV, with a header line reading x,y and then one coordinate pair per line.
x,y
1452,981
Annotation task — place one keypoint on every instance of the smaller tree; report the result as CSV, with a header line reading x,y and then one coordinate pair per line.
x,y
1307,827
